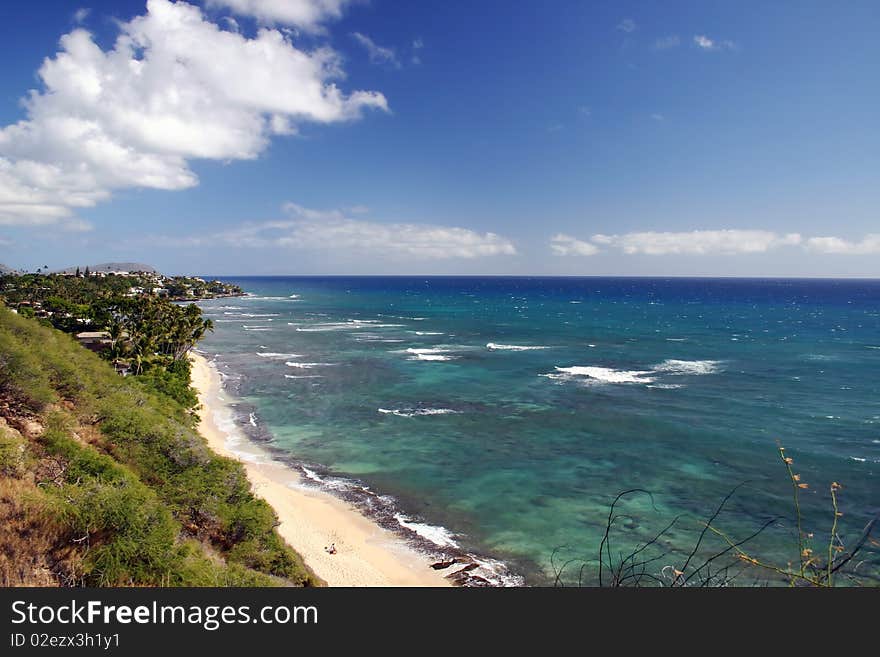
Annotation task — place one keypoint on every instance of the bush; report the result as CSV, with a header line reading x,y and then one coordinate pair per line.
x,y
133,499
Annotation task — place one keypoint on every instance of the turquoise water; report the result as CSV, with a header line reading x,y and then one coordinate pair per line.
x,y
500,416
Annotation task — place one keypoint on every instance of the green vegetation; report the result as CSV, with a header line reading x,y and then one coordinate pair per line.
x,y
132,318
104,481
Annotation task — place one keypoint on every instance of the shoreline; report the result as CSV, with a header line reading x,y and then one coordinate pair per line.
x,y
311,519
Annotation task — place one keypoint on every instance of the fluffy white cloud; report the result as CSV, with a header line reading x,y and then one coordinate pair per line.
x,y
698,242
377,53
333,230
565,245
627,25
869,245
173,88
304,14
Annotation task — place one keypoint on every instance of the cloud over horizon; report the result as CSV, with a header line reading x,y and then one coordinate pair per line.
x,y
697,242
565,245
710,242
175,87
334,230
868,245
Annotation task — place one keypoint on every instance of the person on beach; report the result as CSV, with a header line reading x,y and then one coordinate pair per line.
x,y
331,549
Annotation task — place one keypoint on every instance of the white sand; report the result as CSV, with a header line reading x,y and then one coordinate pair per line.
x,y
367,555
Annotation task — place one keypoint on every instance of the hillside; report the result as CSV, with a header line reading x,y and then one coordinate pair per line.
x,y
104,480
6,270
110,266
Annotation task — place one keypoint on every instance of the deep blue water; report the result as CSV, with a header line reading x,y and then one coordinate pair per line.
x,y
510,411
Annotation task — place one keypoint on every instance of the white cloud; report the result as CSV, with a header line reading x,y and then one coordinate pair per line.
x,y
81,14
869,245
627,25
664,43
333,230
304,14
173,88
705,43
658,117
565,245
698,242
377,53
711,242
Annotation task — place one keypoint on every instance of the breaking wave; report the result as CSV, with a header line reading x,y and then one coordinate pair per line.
x,y
494,346
414,412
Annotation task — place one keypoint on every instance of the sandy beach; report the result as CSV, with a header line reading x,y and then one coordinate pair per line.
x,y
311,519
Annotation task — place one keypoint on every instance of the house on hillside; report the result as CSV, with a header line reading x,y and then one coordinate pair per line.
x,y
94,340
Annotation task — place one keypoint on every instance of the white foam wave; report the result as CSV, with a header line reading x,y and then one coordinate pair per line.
x,y
434,354
494,346
311,474
428,333
414,412
672,366
272,354
603,374
260,314
307,366
496,572
303,376
439,536
332,483
257,328
376,338
252,419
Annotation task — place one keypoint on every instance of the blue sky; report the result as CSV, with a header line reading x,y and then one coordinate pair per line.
x,y
342,137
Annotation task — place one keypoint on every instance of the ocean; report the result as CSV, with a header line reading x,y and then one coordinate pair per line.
x,y
500,417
